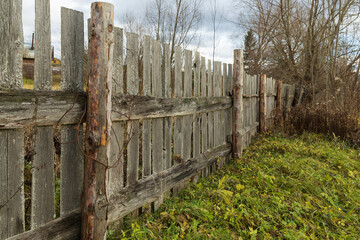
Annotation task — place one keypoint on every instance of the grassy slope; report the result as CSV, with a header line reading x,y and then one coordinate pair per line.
x,y
286,188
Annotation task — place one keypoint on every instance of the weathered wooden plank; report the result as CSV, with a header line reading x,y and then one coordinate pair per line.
x,y
166,79
178,92
132,84
238,85
72,72
178,121
11,176
42,67
262,103
72,50
118,82
196,118
71,169
217,93
146,126
12,210
42,202
187,93
12,40
228,121
129,198
98,122
67,227
3,185
251,122
42,194
148,190
278,103
116,159
157,132
158,123
223,93
20,108
210,114
166,68
204,130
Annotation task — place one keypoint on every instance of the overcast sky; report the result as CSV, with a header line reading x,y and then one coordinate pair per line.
x,y
225,41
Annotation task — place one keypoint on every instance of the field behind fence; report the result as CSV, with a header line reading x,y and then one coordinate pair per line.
x,y
171,121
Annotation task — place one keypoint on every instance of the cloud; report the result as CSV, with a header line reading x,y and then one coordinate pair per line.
x,y
225,43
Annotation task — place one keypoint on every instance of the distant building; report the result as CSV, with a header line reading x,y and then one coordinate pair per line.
x,y
28,61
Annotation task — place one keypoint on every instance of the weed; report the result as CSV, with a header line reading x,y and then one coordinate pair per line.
x,y
303,187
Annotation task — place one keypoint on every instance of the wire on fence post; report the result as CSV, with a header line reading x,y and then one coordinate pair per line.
x,y
98,122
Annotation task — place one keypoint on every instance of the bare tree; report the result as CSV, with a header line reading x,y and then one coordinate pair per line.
x,y
216,18
174,22
303,41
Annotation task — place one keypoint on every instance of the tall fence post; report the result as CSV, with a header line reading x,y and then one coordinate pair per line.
x,y
262,103
98,122
238,85
278,102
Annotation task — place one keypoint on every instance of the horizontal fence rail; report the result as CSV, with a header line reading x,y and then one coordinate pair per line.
x,y
171,121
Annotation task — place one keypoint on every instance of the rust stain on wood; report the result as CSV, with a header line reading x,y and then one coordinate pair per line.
x,y
103,136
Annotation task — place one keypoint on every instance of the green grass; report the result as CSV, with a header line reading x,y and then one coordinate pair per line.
x,y
29,83
302,187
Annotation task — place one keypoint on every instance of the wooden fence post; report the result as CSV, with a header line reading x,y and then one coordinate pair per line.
x,y
98,122
238,85
278,102
262,103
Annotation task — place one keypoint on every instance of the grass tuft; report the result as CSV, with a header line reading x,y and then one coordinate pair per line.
x,y
303,187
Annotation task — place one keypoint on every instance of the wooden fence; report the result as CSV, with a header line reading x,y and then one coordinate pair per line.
x,y
163,132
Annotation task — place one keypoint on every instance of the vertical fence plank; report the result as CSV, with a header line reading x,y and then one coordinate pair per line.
x,y
196,119
4,185
204,130
210,114
42,202
12,43
116,173
210,120
262,103
157,141
72,71
178,121
98,122
146,123
132,41
157,124
278,102
166,78
238,85
146,126
223,94
118,68
187,93
228,121
245,108
42,68
216,79
12,214
217,114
